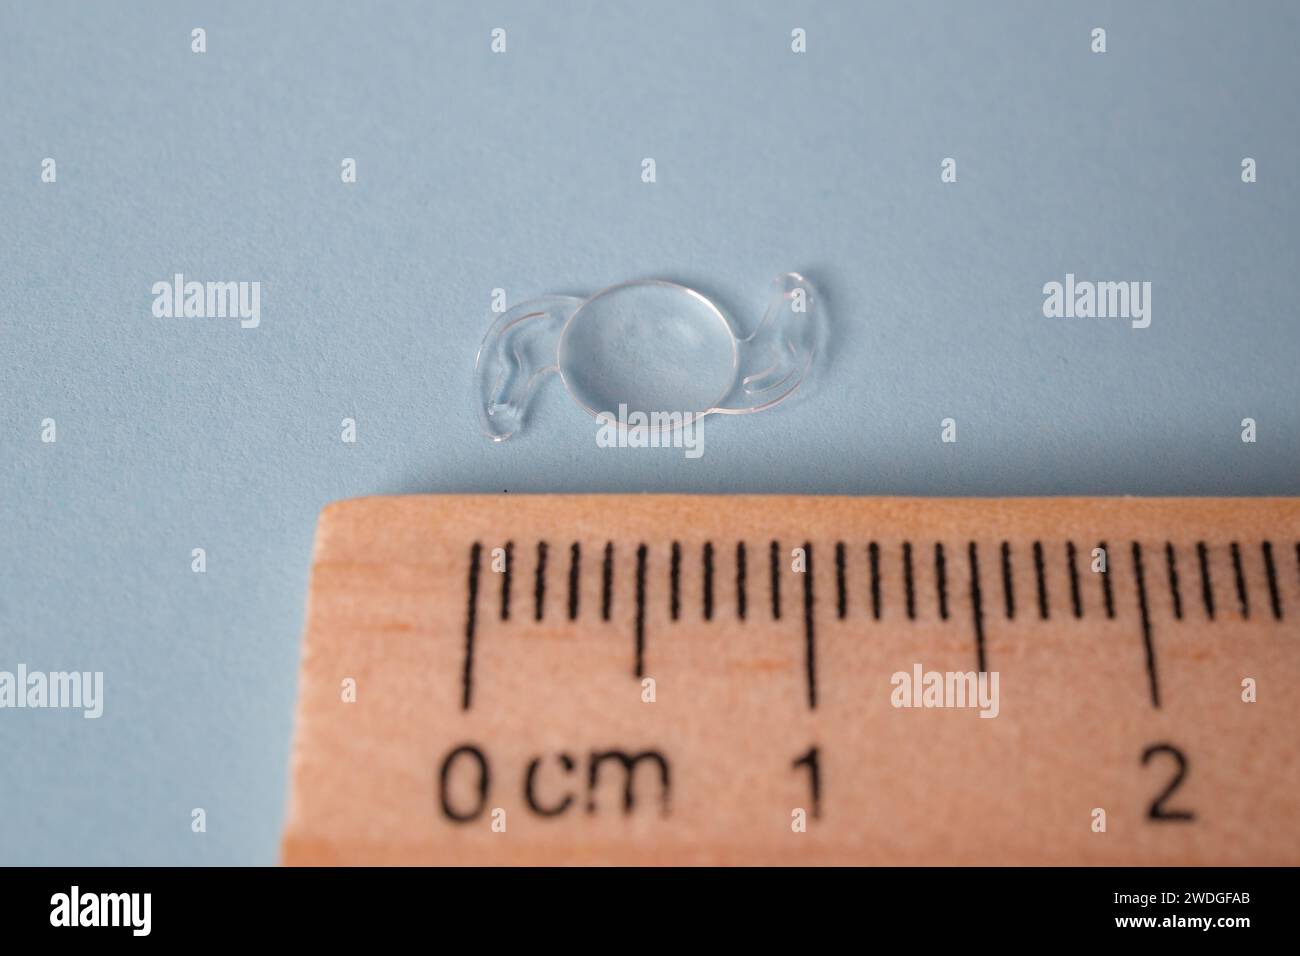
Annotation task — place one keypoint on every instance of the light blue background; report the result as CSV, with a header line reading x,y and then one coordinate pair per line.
x,y
523,171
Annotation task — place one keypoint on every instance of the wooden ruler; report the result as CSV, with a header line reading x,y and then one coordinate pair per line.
x,y
721,679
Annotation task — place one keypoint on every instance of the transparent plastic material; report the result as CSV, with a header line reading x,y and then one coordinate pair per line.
x,y
649,347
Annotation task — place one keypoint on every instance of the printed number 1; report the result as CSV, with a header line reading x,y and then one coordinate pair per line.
x,y
809,760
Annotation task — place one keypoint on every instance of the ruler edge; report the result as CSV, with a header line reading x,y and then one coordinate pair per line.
x,y
335,511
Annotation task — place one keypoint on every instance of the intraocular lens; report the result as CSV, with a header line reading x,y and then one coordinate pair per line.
x,y
649,353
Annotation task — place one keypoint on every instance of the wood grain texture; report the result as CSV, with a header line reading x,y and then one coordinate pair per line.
x,y
1094,669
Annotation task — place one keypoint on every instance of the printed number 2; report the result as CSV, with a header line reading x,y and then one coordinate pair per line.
x,y
1157,810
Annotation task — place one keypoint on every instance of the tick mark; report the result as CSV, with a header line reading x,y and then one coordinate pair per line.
x,y
575,558
1075,601
1106,591
675,581
873,552
640,610
741,572
909,589
1242,598
1140,580
1172,561
1040,575
1008,588
941,580
775,580
506,580
1274,596
708,580
810,646
841,598
607,582
471,613
539,582
976,604
1207,587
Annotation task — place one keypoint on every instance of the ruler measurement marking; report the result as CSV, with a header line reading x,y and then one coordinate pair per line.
x,y
873,555
1207,588
575,559
675,581
506,580
1106,591
810,643
1008,587
607,581
977,606
841,598
841,579
1172,561
1243,600
775,580
1274,596
1075,600
640,611
941,580
1148,645
708,580
471,613
539,582
741,572
908,587
1040,575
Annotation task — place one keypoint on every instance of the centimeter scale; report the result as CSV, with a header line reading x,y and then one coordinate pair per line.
x,y
657,679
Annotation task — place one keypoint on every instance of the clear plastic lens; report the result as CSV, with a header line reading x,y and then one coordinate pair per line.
x,y
647,346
